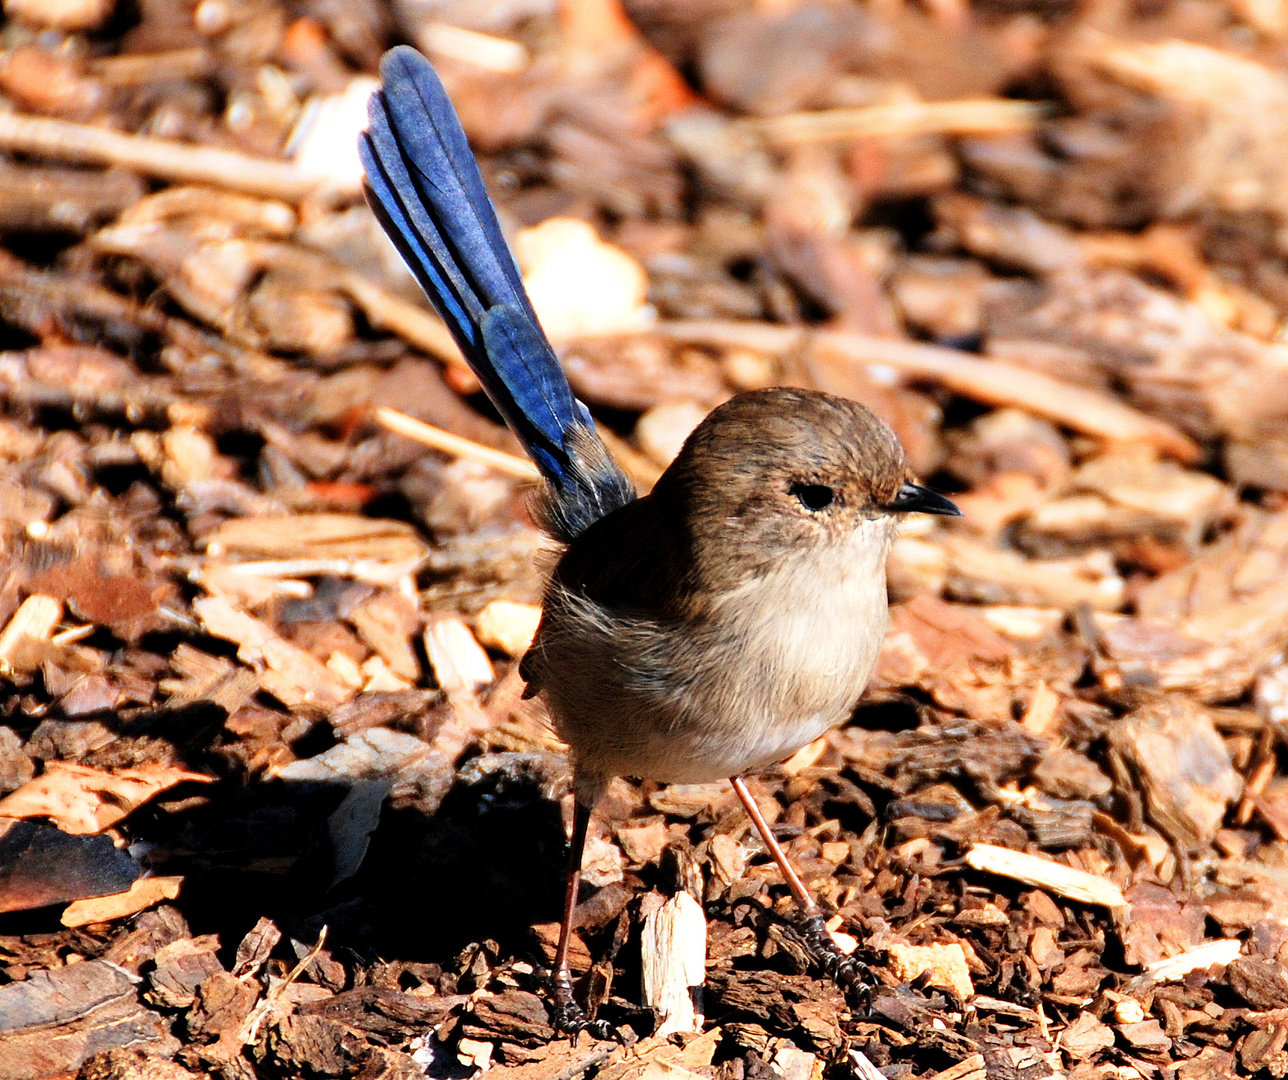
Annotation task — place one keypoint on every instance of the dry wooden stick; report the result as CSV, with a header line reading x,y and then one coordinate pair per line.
x,y
456,445
994,382
63,140
968,116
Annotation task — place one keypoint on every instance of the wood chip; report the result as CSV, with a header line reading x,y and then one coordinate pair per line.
x,y
943,965
294,676
346,545
62,140
673,952
387,622
994,382
84,800
1185,771
34,621
1036,870
507,626
143,894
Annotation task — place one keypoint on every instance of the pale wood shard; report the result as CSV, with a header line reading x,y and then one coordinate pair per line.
x,y
1184,767
791,1063
508,626
387,622
459,663
499,54
865,1070
806,756
979,571
460,667
1129,495
673,953
1045,874
65,15
82,800
1041,715
297,678
329,535
415,324
305,545
1210,626
34,621
380,677
376,752
208,678
143,894
1200,958
943,965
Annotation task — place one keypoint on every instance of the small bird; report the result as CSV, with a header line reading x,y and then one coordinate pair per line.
x,y
700,632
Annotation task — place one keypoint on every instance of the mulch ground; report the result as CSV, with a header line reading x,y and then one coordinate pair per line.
x,y
273,804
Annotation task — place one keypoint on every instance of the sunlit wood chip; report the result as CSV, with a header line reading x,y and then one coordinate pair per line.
x,y
83,800
459,662
143,894
943,965
1199,958
293,676
346,545
387,622
579,284
34,620
507,626
60,14
673,948
661,431
1045,874
381,679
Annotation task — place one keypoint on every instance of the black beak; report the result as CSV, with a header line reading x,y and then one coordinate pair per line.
x,y
914,499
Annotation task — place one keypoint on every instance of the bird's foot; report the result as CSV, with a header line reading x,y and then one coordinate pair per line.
x,y
848,973
567,1016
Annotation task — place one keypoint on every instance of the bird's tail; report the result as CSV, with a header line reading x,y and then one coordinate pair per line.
x,y
424,186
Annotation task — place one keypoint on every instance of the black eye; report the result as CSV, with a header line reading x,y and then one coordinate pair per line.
x,y
814,496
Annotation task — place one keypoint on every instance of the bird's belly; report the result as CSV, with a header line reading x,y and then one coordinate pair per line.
x,y
783,661
700,757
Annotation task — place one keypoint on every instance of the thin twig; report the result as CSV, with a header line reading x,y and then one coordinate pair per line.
x,y
994,382
456,445
168,159
971,116
249,1029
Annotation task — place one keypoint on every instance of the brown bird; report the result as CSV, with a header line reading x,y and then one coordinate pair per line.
x,y
709,628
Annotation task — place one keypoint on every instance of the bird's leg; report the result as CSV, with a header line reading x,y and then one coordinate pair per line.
x,y
850,973
566,1014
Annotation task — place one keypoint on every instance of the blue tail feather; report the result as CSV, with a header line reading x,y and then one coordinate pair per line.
x,y
424,187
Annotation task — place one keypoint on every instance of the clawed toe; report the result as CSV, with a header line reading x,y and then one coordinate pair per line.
x,y
850,974
569,1019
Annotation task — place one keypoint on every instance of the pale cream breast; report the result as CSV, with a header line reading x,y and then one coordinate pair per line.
x,y
778,661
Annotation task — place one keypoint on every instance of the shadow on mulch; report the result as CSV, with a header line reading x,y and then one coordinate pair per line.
x,y
488,864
